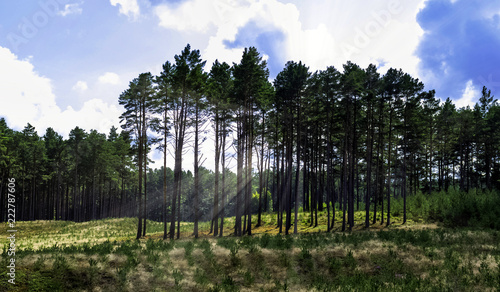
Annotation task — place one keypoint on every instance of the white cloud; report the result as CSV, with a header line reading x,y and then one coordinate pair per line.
x,y
71,9
187,16
28,97
26,94
227,17
128,7
95,114
109,78
310,33
80,86
469,97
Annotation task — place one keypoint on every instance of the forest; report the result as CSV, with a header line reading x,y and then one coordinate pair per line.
x,y
340,139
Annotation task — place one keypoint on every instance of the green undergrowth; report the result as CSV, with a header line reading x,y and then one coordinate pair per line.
x,y
440,259
462,254
37,235
454,208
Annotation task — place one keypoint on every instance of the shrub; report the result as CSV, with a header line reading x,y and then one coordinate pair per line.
x,y
455,208
265,240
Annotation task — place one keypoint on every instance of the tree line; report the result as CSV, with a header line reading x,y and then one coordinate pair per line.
x,y
340,140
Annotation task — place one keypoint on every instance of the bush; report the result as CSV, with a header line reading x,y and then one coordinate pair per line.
x,y
455,208
472,209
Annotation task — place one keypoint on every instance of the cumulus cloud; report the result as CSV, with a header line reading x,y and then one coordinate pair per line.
x,y
267,24
191,15
129,8
460,46
95,114
279,30
73,8
80,86
26,94
28,97
469,96
109,78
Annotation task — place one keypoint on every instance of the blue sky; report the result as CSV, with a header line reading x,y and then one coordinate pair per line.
x,y
64,63
461,45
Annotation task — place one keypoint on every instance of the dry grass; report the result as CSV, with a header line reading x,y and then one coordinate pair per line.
x,y
316,259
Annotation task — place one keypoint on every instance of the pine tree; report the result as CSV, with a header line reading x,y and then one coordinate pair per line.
x,y
137,100
219,88
162,125
250,83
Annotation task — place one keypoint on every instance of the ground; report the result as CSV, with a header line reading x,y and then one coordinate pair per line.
x,y
103,255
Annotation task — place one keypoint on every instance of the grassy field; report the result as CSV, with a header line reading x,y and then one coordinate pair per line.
x,y
103,256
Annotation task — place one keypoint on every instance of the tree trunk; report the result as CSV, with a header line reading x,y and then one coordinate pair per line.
x,y
140,157
145,160
223,202
196,171
217,174
261,172
389,177
164,208
369,144
297,172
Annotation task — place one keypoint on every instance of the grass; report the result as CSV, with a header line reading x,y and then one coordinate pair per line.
x,y
45,234
104,256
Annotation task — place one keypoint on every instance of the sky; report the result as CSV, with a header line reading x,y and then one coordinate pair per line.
x,y
64,63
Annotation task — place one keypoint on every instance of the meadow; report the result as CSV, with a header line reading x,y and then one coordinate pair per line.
x,y
104,256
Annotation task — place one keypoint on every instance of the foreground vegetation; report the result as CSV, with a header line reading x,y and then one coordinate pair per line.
x,y
103,256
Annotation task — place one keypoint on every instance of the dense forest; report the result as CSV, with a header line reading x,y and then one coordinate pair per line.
x,y
337,139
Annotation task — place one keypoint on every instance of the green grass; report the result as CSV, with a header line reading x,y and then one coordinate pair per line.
x,y
104,256
438,259
37,235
